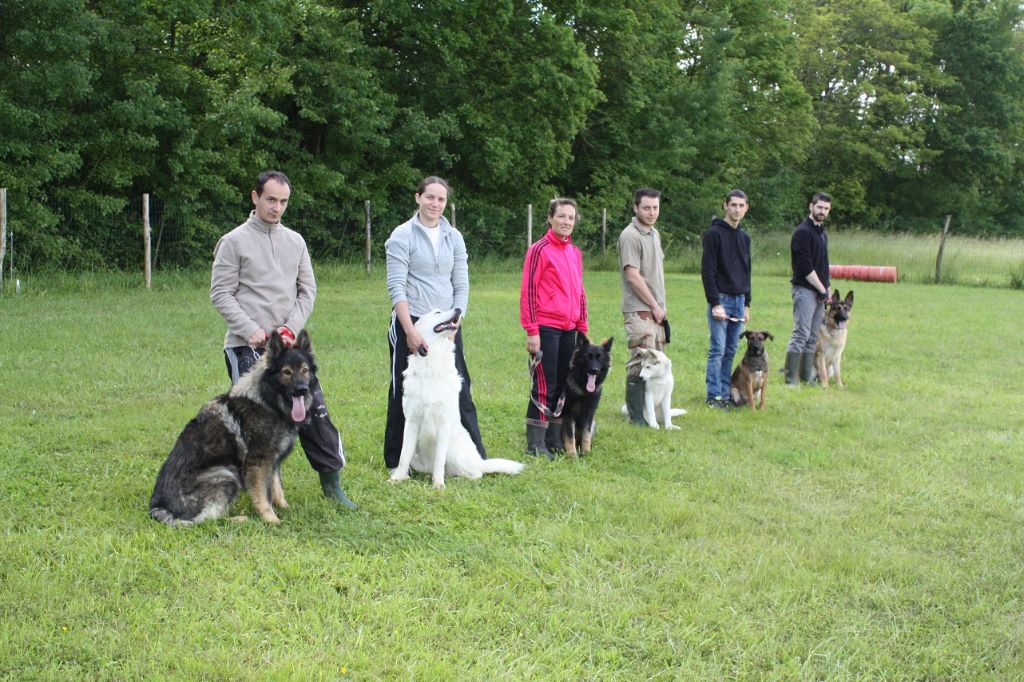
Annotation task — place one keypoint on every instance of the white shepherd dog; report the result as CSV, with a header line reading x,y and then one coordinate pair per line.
x,y
434,440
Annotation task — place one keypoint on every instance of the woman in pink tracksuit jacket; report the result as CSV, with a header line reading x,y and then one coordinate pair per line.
x,y
552,308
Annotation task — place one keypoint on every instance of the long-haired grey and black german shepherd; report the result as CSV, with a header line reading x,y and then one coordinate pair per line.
x,y
587,371
238,440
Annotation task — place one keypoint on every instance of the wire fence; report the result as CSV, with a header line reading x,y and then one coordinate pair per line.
x,y
61,234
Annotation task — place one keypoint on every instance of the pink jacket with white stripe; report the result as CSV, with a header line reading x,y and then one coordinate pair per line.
x,y
552,291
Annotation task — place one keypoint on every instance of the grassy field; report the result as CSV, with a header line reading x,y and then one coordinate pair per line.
x,y
869,533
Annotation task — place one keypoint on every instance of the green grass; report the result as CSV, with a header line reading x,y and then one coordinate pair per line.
x,y
869,533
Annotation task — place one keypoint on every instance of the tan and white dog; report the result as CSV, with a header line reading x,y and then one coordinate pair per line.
x,y
434,440
656,371
828,353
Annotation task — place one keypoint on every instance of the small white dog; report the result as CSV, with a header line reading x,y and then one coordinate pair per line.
x,y
434,440
656,371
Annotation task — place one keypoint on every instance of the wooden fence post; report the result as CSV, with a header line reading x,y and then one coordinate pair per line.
x,y
942,246
3,233
369,240
147,263
604,230
529,225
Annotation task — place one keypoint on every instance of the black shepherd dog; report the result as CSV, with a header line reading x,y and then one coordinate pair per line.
x,y
587,369
238,440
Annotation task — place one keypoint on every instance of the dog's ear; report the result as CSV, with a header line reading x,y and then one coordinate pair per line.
x,y
607,344
581,339
746,335
835,297
849,297
275,345
768,335
303,343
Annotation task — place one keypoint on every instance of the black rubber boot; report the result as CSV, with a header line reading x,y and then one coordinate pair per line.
x,y
535,433
330,483
793,369
553,436
807,368
635,389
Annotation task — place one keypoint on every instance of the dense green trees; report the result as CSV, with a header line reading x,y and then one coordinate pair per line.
x,y
904,109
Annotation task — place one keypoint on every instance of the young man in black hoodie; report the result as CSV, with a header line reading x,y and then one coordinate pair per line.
x,y
725,272
809,255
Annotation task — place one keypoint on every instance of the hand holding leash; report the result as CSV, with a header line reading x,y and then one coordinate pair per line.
x,y
258,339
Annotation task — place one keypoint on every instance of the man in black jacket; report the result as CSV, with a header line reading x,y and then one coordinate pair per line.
x,y
725,272
809,255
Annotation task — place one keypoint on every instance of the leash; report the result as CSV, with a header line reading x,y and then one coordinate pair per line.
x,y
533,366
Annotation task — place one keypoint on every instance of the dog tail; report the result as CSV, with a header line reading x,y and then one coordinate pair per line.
x,y
625,410
501,466
165,516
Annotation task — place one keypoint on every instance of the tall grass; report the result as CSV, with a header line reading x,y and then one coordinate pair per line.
x,y
968,261
869,533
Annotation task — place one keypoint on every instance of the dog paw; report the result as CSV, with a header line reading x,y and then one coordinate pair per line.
x,y
654,425
396,477
672,427
438,485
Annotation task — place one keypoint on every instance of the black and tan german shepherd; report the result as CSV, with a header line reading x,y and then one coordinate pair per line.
x,y
828,353
587,370
238,440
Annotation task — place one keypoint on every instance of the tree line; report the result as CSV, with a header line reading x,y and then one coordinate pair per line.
x,y
903,110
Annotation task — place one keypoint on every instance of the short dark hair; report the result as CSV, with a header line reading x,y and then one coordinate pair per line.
x,y
645,192
271,175
433,180
561,201
738,193
821,196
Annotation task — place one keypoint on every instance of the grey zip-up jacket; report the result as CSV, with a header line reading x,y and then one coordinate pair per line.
x,y
262,279
419,277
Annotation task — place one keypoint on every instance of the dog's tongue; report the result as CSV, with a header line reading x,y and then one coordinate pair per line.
x,y
298,409
842,325
591,383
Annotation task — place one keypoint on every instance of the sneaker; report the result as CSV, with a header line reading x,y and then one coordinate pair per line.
x,y
719,403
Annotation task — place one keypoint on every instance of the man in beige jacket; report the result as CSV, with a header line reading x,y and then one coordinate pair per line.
x,y
263,281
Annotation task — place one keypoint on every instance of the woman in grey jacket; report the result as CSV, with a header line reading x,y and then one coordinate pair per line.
x,y
427,270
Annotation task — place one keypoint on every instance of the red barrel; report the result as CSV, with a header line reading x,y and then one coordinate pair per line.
x,y
865,273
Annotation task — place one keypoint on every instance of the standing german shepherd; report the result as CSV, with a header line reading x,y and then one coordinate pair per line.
x,y
828,353
587,370
238,440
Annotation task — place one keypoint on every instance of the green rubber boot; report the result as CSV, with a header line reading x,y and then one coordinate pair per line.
x,y
330,483
635,389
793,369
807,368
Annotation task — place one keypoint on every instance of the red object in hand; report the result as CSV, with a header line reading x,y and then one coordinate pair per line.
x,y
287,338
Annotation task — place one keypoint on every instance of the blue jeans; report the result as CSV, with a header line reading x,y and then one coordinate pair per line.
x,y
725,338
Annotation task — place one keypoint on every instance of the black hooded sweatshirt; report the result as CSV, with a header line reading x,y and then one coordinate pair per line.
x,y
725,265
